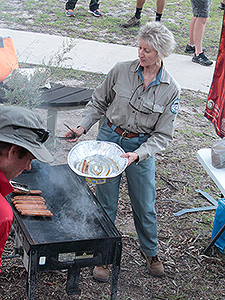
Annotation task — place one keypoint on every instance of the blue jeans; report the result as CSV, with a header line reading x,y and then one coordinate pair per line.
x,y
141,188
70,4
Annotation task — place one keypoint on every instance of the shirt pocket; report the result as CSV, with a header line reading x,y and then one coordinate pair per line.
x,y
122,96
150,114
121,90
152,108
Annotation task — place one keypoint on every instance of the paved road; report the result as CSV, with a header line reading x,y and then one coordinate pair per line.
x,y
100,57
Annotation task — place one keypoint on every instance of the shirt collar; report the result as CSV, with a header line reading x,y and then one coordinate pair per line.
x,y
164,75
157,79
5,186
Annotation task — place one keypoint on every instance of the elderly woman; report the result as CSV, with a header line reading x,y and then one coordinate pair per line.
x,y
139,100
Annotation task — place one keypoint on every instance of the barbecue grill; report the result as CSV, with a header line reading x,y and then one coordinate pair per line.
x,y
79,226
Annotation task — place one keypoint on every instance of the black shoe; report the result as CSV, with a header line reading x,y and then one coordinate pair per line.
x,y
189,49
222,6
202,59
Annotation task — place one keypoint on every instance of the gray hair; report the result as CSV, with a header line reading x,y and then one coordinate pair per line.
x,y
158,37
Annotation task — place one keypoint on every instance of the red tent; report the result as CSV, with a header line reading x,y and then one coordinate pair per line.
x,y
215,107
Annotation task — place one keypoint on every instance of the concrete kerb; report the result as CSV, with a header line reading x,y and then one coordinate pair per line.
x,y
98,57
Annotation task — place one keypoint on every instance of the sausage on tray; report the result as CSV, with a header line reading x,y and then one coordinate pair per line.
x,y
84,166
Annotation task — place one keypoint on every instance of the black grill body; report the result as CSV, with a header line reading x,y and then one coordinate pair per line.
x,y
79,225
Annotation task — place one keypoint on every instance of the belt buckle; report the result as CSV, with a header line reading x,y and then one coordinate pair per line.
x,y
123,135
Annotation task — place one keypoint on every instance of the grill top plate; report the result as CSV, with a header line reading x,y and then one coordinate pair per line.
x,y
77,214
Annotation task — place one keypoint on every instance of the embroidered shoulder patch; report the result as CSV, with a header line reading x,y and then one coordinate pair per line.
x,y
175,106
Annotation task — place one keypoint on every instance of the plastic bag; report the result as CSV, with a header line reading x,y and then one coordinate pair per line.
x,y
219,222
218,154
8,59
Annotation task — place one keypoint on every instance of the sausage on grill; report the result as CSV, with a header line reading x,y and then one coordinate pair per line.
x,y
31,192
20,207
43,213
27,197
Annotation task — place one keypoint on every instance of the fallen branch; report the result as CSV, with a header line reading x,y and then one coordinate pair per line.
x,y
166,180
194,257
196,238
132,258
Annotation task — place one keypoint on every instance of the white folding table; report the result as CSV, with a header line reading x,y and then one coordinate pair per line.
x,y
217,175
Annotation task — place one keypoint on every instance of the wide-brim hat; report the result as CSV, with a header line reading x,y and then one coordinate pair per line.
x,y
23,127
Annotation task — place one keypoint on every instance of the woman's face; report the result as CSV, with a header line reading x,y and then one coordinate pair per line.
x,y
148,56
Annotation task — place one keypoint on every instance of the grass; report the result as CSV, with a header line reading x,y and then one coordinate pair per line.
x,y
47,15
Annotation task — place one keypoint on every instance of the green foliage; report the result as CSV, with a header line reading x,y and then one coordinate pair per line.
x,y
25,90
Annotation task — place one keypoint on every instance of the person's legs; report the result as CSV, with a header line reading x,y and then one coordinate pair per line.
x,y
139,7
200,10
141,187
108,194
140,3
191,30
190,48
71,4
135,20
94,8
160,4
198,32
94,5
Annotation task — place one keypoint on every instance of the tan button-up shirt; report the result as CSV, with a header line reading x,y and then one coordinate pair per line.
x,y
122,99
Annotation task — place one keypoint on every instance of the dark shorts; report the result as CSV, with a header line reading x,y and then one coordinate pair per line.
x,y
200,8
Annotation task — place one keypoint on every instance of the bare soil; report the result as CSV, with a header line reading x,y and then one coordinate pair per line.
x,y
189,273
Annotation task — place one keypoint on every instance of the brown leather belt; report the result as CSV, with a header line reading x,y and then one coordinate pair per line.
x,y
124,133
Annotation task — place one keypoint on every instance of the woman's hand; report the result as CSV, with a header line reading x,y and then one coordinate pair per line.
x,y
79,131
132,156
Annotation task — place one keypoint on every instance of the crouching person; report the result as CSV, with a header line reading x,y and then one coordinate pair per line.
x,y
22,138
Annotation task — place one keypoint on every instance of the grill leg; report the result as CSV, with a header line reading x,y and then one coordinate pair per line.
x,y
116,270
31,279
73,278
